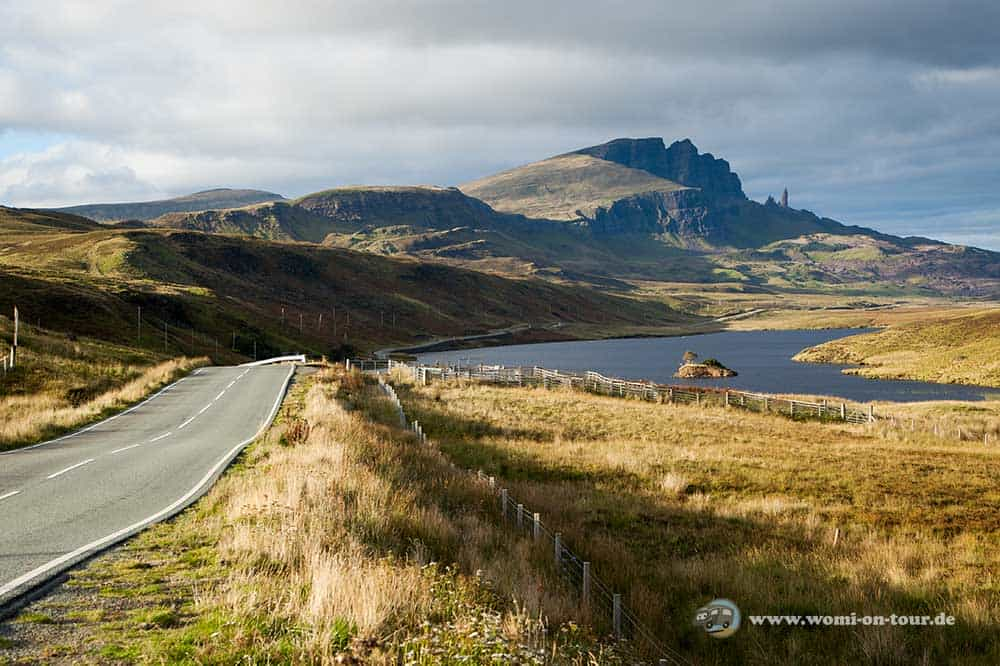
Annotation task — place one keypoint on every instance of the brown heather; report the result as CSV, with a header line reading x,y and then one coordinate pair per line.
x,y
676,505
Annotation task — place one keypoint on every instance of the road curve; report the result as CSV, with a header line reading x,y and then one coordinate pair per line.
x,y
64,500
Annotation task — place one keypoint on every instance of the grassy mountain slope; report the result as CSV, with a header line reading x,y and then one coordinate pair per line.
x,y
566,187
953,348
147,210
275,220
205,288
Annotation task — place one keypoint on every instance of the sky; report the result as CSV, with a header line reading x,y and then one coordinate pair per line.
x,y
879,113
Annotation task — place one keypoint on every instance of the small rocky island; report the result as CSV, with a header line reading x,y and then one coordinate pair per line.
x,y
691,368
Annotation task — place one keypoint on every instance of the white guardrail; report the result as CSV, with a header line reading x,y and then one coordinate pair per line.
x,y
297,358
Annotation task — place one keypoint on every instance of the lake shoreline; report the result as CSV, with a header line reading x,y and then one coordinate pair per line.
x,y
763,358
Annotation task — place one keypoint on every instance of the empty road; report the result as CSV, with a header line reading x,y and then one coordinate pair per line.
x,y
64,500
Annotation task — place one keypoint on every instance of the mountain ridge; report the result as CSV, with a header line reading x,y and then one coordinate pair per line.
x,y
216,198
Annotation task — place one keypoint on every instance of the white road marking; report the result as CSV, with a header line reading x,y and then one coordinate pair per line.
x,y
10,494
125,448
94,546
203,409
71,467
91,427
187,422
221,393
230,384
158,438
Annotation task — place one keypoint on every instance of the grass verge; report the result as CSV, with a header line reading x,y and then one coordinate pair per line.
x,y
334,538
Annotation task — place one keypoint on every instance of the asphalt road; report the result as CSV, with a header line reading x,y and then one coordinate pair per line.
x,y
64,500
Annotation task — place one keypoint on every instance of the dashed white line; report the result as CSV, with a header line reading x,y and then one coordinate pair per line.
x,y
203,409
71,467
125,448
91,427
230,384
96,545
159,437
186,422
221,393
10,494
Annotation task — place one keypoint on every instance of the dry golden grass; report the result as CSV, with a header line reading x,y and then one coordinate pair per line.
x,y
342,530
676,505
353,544
955,347
29,417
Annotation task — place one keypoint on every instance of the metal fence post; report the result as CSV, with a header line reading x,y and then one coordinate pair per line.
x,y
537,527
616,615
586,584
503,503
558,542
520,513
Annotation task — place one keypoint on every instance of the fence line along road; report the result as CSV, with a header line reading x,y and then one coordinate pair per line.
x,y
594,382
604,607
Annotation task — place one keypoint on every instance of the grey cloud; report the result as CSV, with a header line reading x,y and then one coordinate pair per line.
x,y
860,108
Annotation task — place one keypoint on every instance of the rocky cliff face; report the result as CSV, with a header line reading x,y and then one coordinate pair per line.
x,y
680,163
685,214
429,207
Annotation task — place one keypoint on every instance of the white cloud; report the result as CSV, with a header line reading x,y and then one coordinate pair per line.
x,y
852,106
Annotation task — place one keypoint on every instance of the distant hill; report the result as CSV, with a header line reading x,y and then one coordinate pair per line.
x,y
639,186
568,187
147,210
89,279
629,209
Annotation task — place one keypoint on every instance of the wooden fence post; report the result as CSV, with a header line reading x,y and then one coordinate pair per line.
x,y
727,398
558,547
843,411
871,413
520,513
586,584
536,529
503,503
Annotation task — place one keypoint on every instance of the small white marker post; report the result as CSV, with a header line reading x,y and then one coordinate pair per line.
x,y
13,350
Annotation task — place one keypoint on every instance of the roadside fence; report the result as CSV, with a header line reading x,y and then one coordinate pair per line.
x,y
602,606
963,430
594,382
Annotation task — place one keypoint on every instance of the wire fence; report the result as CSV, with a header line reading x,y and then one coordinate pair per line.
x,y
594,382
963,428
602,606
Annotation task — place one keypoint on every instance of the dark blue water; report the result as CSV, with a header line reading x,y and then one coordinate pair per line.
x,y
763,360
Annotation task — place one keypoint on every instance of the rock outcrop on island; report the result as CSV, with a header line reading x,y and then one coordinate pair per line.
x,y
708,368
